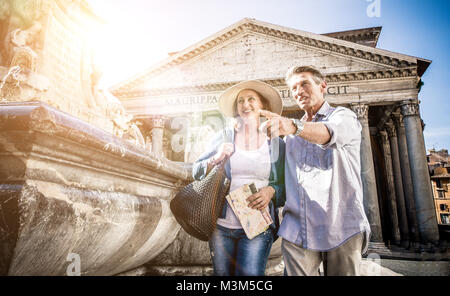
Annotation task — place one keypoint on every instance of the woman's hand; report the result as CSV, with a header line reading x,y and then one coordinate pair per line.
x,y
261,199
225,150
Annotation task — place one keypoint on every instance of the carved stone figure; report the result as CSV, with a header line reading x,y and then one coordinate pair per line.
x,y
122,121
5,12
98,98
21,84
10,84
133,134
24,29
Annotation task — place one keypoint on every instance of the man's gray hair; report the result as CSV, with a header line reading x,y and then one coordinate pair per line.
x,y
318,77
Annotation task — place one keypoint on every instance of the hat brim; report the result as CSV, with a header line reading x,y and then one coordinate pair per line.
x,y
227,98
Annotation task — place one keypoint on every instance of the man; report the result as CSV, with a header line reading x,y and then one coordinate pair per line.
x,y
323,219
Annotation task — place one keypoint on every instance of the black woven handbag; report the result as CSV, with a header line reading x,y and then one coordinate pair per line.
x,y
198,205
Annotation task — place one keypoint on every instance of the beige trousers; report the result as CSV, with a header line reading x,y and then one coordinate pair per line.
x,y
343,260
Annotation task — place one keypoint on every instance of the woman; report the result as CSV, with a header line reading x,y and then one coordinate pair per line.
x,y
250,157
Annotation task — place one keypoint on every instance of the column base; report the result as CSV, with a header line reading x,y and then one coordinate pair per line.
x,y
415,247
443,246
394,243
377,247
404,244
415,252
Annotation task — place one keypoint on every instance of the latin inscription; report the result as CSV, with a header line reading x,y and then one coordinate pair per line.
x,y
331,90
214,99
192,100
337,90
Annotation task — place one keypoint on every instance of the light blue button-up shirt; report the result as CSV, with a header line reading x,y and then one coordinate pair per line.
x,y
324,196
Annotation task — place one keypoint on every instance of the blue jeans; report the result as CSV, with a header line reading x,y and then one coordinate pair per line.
x,y
232,253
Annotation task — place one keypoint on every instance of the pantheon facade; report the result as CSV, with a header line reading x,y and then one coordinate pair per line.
x,y
175,102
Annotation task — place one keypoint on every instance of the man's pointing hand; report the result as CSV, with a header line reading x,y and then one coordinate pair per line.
x,y
276,125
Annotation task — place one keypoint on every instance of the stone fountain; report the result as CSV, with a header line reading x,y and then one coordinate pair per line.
x,y
76,177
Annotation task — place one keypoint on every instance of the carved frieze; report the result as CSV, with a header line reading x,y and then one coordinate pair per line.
x,y
333,78
369,75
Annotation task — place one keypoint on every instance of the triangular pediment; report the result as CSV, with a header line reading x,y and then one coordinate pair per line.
x,y
252,49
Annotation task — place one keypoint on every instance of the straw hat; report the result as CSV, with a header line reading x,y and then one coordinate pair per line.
x,y
227,98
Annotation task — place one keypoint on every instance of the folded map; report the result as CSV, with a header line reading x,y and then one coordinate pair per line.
x,y
253,221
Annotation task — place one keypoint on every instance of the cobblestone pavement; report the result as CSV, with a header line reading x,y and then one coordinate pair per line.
x,y
417,268
370,267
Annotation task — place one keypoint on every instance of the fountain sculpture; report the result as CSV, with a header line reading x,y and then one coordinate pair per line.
x,y
75,177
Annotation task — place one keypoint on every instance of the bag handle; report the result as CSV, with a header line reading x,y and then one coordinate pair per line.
x,y
225,136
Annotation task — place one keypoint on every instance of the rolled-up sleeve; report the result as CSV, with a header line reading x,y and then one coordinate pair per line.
x,y
344,128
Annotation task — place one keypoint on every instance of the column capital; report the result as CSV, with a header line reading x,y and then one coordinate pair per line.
x,y
397,118
390,128
154,121
154,125
384,135
361,110
409,108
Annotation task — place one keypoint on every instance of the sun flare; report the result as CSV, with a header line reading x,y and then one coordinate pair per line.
x,y
122,46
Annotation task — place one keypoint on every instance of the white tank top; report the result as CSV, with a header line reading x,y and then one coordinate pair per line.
x,y
247,166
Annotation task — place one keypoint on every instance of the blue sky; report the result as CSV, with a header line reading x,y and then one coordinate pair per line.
x,y
140,33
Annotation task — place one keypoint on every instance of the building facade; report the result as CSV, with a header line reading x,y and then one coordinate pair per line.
x,y
439,165
176,104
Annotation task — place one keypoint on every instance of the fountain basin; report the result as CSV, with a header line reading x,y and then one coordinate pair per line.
x,y
67,187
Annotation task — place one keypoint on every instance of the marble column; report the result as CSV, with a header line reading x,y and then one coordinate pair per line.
x,y
423,196
370,196
392,202
155,124
400,198
406,178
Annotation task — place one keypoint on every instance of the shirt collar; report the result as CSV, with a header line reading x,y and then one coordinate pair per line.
x,y
323,111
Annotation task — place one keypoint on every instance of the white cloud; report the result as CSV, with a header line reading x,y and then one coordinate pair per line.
x,y
437,131
437,137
